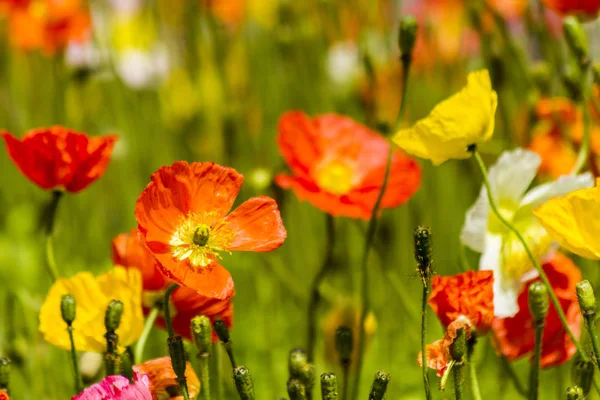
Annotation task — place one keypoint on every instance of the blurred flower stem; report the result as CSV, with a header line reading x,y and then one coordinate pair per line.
x,y
175,348
139,347
534,261
49,216
167,311
315,297
473,381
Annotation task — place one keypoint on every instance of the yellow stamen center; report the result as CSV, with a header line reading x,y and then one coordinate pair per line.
x,y
335,177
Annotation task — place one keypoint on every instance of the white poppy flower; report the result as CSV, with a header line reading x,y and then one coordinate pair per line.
x,y
500,249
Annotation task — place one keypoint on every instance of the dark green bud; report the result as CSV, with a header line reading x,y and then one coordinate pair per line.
x,y
407,35
423,251
571,79
112,318
67,308
177,353
329,386
296,390
243,383
202,333
583,375
538,301
574,393
4,373
344,343
222,331
576,39
380,384
458,348
586,298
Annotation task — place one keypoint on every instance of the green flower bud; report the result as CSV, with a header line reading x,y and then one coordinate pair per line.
x,y
243,383
542,76
177,353
458,348
296,361
583,375
407,35
423,251
202,333
586,298
380,384
574,393
67,308
112,318
576,39
344,342
222,331
4,373
538,301
329,386
296,390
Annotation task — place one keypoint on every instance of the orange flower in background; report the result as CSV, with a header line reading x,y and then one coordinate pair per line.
x,y
182,215
163,381
338,165
468,295
4,395
60,158
46,25
129,250
438,353
229,11
587,8
515,336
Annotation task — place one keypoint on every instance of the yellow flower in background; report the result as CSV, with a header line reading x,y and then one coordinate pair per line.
x,y
574,221
465,119
92,295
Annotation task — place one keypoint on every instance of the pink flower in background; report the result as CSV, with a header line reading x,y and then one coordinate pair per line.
x,y
117,387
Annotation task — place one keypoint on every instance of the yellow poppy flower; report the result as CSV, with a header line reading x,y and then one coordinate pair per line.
x,y
574,221
465,119
92,295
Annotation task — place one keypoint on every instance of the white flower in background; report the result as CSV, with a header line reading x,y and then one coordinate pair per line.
x,y
126,7
140,69
343,64
501,251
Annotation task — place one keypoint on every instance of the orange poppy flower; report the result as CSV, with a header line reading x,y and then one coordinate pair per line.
x,y
338,165
60,158
438,353
47,25
4,395
163,381
468,295
515,335
581,7
8,6
182,214
129,250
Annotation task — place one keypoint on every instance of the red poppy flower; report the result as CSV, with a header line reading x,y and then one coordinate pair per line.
x,y
4,395
182,215
468,295
163,381
438,353
338,165
129,250
515,335
582,7
60,158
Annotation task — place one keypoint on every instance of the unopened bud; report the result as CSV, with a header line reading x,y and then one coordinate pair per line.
x,y
538,301
222,331
407,35
541,76
583,375
329,386
586,298
380,384
576,39
112,318
4,373
458,348
344,342
243,383
296,361
574,393
571,78
296,390
67,308
423,251
202,333
177,353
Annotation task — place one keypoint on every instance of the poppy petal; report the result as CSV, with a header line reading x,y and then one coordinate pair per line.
x,y
299,142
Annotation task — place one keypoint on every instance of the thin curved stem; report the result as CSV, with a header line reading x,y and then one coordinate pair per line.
x,y
141,343
167,309
315,297
424,339
534,261
584,149
49,215
75,361
345,381
50,260
590,319
534,374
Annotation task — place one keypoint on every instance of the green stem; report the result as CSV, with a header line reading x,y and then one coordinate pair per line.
x,y
534,374
229,350
167,309
424,339
76,373
139,347
590,319
542,274
217,371
49,216
513,376
345,379
365,275
406,62
473,381
584,149
203,360
315,296
457,373
51,261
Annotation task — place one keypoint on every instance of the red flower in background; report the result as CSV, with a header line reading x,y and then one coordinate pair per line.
x,y
129,250
582,7
4,395
182,215
60,158
338,165
469,295
438,353
515,335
